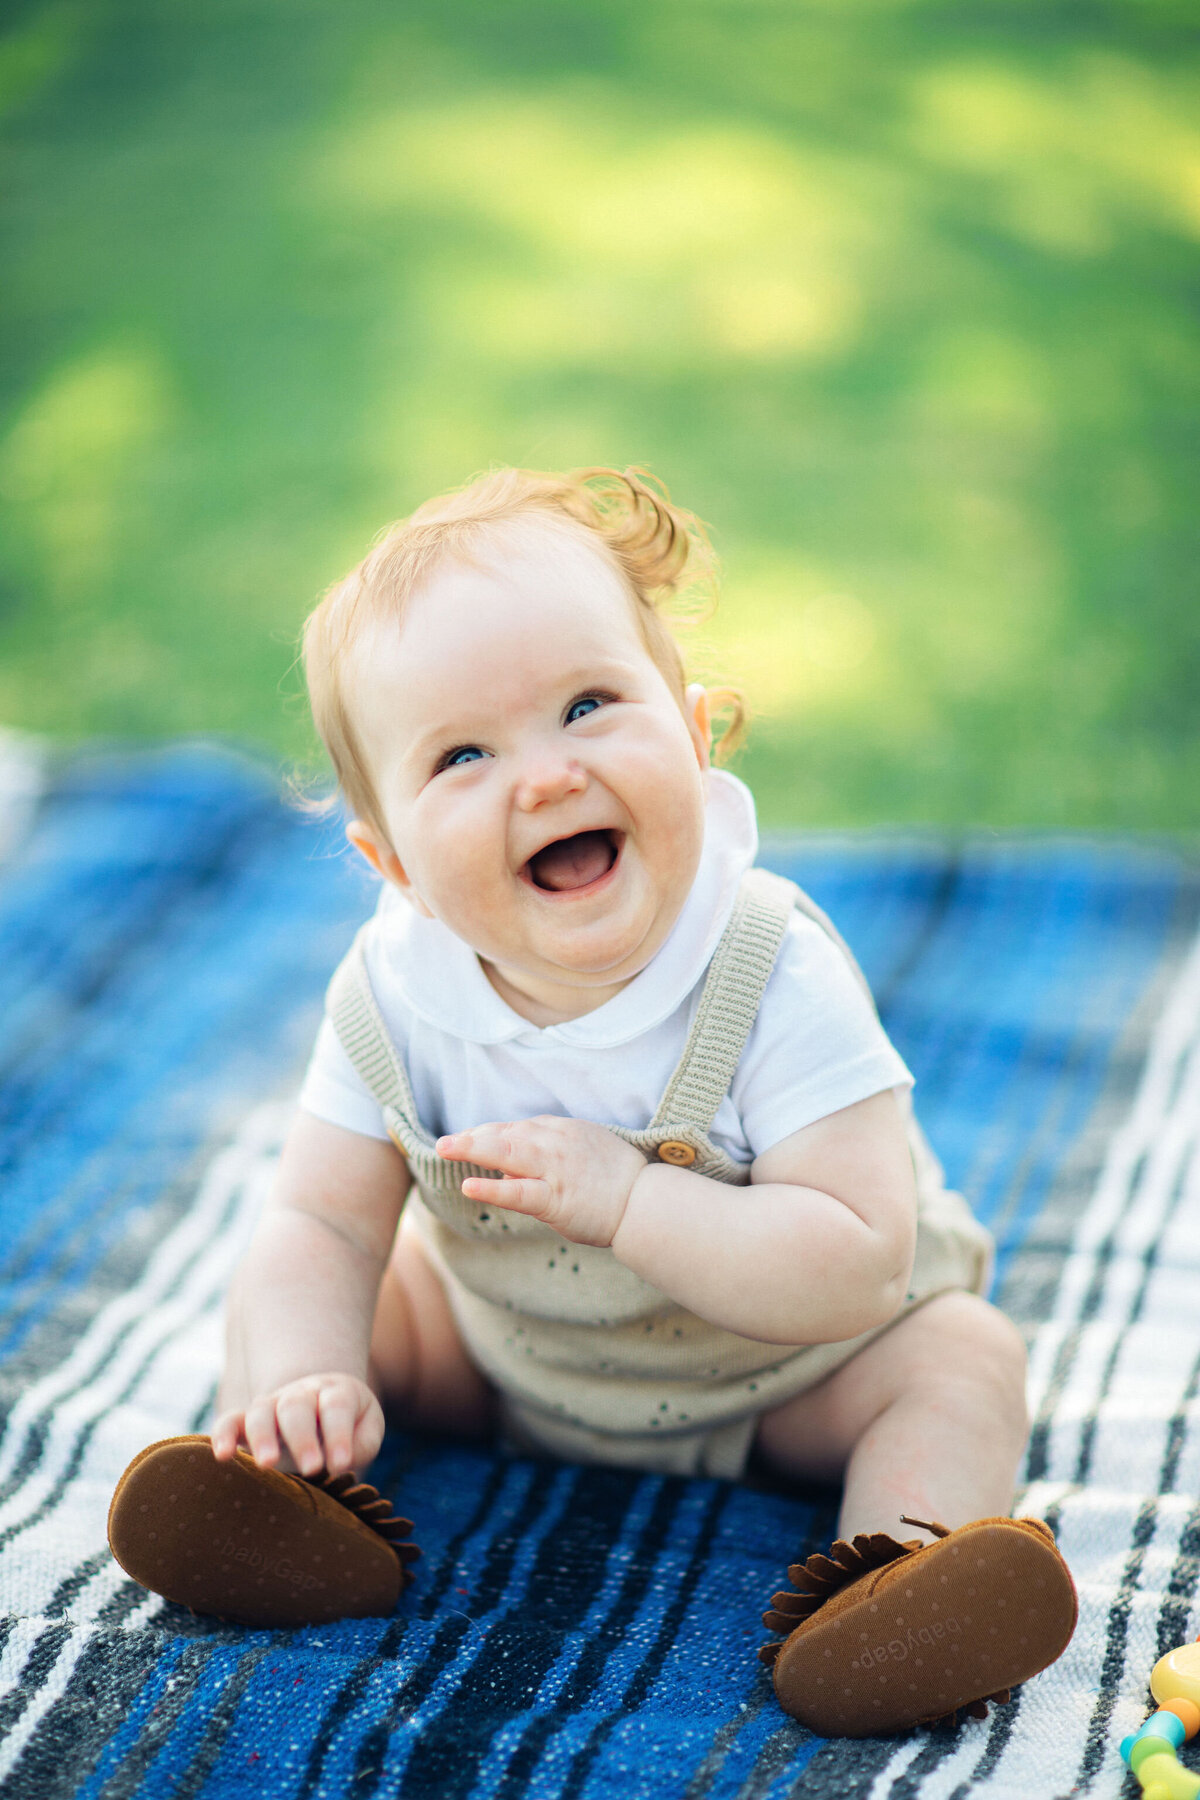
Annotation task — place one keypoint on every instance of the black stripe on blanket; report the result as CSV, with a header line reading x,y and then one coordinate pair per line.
x,y
525,1642
488,1590
637,1690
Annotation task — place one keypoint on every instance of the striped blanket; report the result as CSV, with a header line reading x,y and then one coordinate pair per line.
x,y
166,930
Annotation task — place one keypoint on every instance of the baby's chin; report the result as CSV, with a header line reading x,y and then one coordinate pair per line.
x,y
598,966
599,954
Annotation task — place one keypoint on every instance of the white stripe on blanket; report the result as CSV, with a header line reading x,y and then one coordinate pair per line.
x,y
103,1396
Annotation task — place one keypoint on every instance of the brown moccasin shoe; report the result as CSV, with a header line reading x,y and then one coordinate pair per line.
x,y
885,1635
252,1546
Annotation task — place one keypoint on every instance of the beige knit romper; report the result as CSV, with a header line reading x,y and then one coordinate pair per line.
x,y
593,1364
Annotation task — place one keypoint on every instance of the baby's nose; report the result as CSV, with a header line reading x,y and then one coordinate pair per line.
x,y
548,777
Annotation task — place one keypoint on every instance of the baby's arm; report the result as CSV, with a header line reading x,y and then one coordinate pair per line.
x,y
817,1249
303,1300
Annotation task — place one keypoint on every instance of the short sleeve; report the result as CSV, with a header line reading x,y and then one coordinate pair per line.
x,y
817,1044
334,1091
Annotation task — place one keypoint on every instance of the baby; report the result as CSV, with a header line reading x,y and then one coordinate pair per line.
x,y
671,1209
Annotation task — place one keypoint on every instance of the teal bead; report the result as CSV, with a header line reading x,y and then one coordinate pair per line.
x,y
1126,1747
1164,1725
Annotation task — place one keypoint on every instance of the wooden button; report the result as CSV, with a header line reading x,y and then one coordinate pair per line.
x,y
682,1155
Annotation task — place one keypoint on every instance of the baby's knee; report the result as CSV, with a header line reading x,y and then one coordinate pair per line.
x,y
976,1349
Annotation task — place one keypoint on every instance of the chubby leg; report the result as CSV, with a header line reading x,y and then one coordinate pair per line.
x,y
928,1420
419,1368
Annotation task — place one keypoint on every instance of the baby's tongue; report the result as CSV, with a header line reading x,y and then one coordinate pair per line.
x,y
572,862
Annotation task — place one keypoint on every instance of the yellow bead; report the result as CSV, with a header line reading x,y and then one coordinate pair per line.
x,y
1165,1778
1176,1675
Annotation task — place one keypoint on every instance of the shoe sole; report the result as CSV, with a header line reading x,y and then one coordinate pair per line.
x,y
246,1544
960,1621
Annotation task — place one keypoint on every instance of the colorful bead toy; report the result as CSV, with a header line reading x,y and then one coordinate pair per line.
x,y
1151,1751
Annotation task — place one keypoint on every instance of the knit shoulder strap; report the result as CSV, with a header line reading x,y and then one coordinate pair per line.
x,y
729,1001
354,1014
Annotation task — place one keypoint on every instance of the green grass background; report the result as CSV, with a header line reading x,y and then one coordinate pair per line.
x,y
899,295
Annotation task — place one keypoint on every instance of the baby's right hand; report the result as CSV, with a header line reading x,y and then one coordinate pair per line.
x,y
331,1422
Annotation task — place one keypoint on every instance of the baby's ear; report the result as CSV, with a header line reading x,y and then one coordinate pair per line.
x,y
699,721
384,861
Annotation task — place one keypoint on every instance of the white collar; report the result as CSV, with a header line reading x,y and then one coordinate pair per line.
x,y
439,977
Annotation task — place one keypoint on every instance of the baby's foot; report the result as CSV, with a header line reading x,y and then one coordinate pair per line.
x,y
886,1635
252,1546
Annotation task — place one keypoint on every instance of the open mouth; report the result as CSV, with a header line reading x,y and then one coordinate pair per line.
x,y
571,863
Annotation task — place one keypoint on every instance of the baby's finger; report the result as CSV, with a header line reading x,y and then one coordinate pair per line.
x,y
296,1411
504,1147
528,1195
338,1405
368,1434
226,1435
261,1432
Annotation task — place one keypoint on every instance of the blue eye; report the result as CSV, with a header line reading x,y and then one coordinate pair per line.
x,y
458,759
579,709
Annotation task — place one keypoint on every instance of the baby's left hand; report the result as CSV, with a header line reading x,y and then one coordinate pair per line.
x,y
574,1176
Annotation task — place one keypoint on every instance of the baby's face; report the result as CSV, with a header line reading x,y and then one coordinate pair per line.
x,y
542,790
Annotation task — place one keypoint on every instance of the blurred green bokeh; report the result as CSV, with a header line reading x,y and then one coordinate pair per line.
x,y
899,295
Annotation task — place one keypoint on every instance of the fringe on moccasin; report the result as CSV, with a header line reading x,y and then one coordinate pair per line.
x,y
369,1505
819,1577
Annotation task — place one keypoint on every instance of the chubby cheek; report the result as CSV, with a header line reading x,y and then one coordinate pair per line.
x,y
458,863
666,799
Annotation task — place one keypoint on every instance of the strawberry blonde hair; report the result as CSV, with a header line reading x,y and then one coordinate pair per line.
x,y
660,551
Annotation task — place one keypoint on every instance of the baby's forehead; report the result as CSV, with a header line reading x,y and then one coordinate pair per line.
x,y
506,582
530,587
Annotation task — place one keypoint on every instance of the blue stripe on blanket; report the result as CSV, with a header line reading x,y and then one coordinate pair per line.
x,y
166,929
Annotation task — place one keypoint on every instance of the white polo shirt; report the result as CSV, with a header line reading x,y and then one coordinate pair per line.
x,y
816,1045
